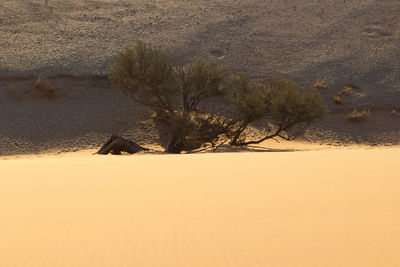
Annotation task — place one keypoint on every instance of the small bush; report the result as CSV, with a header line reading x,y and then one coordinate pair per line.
x,y
358,116
285,108
320,85
291,105
38,88
346,91
44,88
337,100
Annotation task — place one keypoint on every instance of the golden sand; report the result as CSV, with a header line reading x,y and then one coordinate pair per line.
x,y
315,208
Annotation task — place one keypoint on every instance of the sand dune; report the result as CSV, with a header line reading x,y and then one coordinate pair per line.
x,y
316,208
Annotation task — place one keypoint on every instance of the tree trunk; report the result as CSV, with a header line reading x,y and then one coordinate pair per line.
x,y
238,132
176,145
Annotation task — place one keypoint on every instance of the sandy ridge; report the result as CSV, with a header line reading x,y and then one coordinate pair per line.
x,y
330,208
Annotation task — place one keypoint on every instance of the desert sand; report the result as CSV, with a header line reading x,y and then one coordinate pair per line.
x,y
335,207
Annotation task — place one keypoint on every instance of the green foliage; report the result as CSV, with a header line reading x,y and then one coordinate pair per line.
x,y
146,74
206,78
290,105
284,106
199,82
248,99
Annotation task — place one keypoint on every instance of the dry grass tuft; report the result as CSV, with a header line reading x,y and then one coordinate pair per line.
x,y
358,116
320,85
337,100
44,88
39,87
346,91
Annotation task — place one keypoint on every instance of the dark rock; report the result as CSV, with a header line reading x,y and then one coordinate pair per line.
x,y
116,144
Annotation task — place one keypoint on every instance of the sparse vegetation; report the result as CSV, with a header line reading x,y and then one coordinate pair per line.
x,y
337,100
148,76
178,94
39,87
285,109
44,88
346,90
358,116
320,85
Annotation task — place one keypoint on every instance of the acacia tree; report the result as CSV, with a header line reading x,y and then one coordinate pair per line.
x,y
147,75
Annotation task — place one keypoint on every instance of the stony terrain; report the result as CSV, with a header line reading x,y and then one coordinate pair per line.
x,y
342,43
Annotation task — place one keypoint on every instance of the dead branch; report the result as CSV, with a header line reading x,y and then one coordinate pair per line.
x,y
116,144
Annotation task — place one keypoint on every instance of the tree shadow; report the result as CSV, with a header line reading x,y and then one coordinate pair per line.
x,y
233,149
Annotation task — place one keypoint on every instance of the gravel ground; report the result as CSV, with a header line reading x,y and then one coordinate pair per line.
x,y
83,115
340,42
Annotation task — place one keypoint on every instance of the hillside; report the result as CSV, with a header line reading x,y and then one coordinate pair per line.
x,y
350,42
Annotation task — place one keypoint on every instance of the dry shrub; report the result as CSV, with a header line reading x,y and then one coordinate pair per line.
x,y
346,91
320,85
288,108
44,88
358,116
189,133
38,87
337,100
